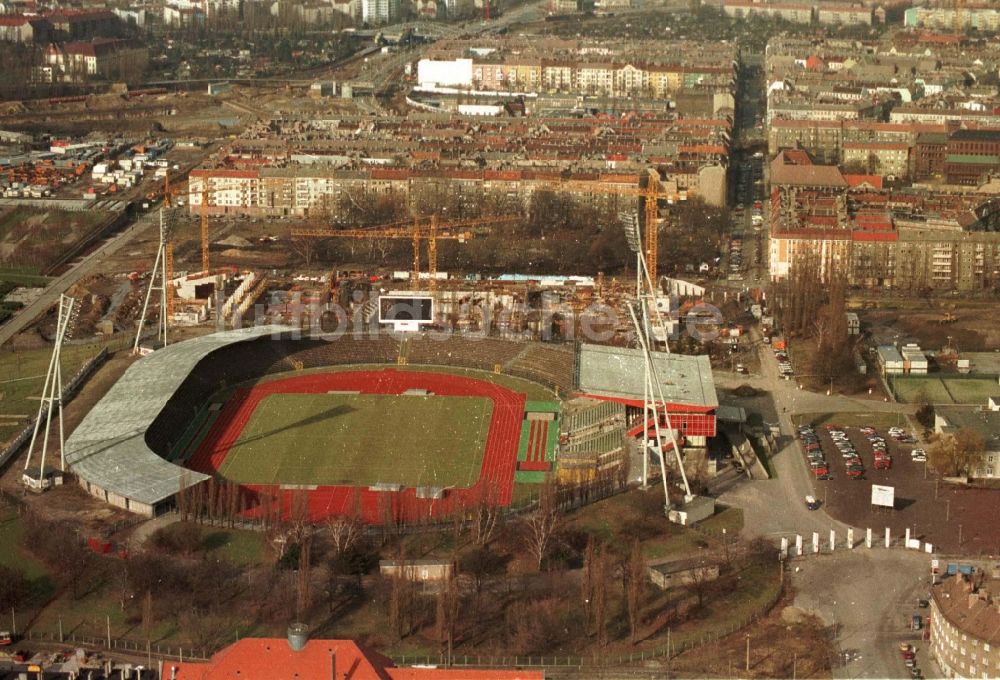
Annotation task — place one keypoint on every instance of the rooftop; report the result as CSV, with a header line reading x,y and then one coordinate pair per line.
x,y
969,608
975,418
617,373
108,448
274,659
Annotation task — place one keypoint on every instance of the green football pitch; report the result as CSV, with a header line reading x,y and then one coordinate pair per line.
x,y
361,439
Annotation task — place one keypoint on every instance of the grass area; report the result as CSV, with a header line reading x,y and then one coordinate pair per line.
x,y
971,390
22,378
362,439
914,389
28,276
14,556
869,419
638,514
233,545
11,553
690,541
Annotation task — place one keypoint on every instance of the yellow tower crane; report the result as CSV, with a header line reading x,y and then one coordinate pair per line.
x,y
168,197
430,229
650,190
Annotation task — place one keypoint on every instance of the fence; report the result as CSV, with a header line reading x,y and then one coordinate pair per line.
x,y
672,649
69,391
121,645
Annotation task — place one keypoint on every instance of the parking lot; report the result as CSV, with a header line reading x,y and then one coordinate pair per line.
x,y
952,519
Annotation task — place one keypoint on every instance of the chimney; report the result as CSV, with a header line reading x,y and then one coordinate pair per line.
x,y
298,636
173,673
333,665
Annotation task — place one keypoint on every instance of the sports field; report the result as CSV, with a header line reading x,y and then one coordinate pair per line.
x,y
944,390
362,439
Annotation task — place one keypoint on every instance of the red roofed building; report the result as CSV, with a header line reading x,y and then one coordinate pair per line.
x,y
292,659
101,58
22,29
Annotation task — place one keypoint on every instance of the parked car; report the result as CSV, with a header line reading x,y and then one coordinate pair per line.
x,y
812,503
916,622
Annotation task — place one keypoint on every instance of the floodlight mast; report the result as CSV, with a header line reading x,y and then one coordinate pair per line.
x,y
159,271
655,402
52,391
648,317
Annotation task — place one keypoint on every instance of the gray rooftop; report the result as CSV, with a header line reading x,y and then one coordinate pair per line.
x,y
617,373
108,448
950,419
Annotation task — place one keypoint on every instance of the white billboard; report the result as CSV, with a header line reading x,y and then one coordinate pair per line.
x,y
441,73
884,496
406,312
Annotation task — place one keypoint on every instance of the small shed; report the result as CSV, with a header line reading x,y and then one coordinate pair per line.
x,y
421,571
853,323
682,572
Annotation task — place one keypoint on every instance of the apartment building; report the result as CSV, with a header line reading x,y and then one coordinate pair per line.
x,y
965,627
301,191
878,158
844,14
379,11
984,19
21,29
100,58
972,156
877,239
795,12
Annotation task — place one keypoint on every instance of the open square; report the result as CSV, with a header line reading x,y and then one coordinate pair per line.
x,y
362,439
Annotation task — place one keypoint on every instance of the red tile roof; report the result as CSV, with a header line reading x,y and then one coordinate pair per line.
x,y
875,181
274,659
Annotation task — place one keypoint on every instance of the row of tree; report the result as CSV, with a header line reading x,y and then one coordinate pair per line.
x,y
555,232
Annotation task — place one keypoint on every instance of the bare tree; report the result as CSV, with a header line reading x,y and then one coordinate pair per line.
x,y
587,580
303,594
485,516
635,590
347,530
956,453
541,526
601,597
147,616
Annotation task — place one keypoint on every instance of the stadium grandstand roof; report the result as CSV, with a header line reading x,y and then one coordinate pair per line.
x,y
617,373
108,448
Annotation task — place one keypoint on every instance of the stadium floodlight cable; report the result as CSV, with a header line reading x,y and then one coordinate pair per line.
x,y
52,391
159,270
654,401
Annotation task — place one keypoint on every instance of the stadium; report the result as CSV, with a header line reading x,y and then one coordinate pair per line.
x,y
393,427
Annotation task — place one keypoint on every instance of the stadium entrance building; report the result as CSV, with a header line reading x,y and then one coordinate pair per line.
x,y
617,374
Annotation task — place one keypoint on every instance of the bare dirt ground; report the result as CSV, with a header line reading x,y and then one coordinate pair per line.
x,y
788,643
972,330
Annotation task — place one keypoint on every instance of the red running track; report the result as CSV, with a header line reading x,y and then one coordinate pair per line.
x,y
496,478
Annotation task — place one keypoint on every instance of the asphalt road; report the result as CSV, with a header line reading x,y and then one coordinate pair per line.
x,y
79,269
777,506
869,595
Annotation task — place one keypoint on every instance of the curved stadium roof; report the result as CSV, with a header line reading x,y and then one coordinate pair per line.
x,y
108,448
